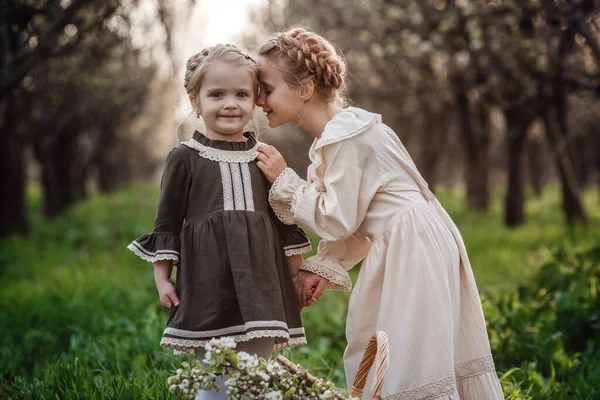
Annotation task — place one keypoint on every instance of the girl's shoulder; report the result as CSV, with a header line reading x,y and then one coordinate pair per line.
x,y
180,154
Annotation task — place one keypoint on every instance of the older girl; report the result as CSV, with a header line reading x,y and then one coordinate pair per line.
x,y
366,199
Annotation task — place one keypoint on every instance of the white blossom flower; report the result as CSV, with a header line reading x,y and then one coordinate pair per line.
x,y
274,395
250,378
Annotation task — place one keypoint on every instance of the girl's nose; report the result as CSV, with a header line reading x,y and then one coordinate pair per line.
x,y
260,101
230,103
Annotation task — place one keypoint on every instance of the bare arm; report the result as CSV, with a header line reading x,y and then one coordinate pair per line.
x,y
162,279
294,263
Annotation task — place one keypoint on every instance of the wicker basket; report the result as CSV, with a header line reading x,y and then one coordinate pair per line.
x,y
376,352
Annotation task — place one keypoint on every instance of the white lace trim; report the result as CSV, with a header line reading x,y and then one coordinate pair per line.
x,y
227,186
230,329
219,155
281,208
292,342
149,256
238,187
337,280
430,391
297,249
447,386
247,183
474,367
187,346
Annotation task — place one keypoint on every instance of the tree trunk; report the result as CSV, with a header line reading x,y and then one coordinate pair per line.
x,y
109,161
555,119
13,210
476,146
436,127
535,164
572,205
108,175
517,123
57,159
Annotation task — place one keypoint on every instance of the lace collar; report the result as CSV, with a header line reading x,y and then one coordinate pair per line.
x,y
223,150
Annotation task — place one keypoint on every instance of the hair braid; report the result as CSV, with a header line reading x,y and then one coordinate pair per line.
x,y
198,63
309,55
191,66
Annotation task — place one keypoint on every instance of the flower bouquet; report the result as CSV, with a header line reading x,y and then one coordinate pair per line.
x,y
252,377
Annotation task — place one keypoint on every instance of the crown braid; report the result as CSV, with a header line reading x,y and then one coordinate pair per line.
x,y
305,55
197,63
191,67
319,58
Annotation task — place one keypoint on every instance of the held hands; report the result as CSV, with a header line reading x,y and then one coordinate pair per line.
x,y
270,162
309,287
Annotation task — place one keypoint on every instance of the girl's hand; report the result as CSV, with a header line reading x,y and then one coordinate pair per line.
x,y
270,162
167,295
309,287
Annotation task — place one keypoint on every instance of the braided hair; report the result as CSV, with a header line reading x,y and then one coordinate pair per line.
x,y
304,55
198,63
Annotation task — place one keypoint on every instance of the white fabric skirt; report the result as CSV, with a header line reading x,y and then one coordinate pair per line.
x,y
416,284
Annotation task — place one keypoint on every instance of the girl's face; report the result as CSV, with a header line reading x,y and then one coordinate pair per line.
x,y
280,101
226,101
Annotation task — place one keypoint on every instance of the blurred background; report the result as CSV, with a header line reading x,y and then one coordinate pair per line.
x,y
497,101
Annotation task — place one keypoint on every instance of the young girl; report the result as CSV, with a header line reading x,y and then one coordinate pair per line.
x,y
214,222
366,199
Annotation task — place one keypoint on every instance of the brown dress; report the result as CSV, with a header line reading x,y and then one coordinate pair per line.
x,y
215,223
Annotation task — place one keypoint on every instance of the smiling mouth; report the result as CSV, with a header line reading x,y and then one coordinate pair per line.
x,y
229,116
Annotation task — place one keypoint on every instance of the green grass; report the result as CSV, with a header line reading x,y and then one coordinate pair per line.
x,y
504,257
80,318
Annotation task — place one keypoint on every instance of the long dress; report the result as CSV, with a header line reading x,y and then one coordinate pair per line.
x,y
214,222
366,199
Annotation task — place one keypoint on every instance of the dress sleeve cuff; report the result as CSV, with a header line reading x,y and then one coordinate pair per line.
x,y
329,269
282,193
296,249
157,246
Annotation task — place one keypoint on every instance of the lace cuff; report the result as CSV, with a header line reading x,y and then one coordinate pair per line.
x,y
297,249
156,246
282,194
329,269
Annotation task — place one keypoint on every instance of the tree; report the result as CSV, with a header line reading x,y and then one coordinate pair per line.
x,y
42,45
421,62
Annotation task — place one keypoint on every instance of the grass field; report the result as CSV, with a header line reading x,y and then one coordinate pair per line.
x,y
80,318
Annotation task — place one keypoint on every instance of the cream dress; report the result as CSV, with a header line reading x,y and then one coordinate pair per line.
x,y
365,198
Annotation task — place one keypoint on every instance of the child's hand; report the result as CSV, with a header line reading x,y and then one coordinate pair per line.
x,y
167,295
312,292
310,296
270,162
309,287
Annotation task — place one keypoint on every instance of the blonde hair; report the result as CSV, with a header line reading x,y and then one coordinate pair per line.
x,y
305,54
198,63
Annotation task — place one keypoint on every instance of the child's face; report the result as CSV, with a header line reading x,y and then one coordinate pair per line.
x,y
226,100
280,101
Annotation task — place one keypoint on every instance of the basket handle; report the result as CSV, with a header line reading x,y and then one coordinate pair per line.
x,y
377,351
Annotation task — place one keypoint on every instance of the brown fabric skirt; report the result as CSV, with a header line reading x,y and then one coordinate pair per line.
x,y
233,280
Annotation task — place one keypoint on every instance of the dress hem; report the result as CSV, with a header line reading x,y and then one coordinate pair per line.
x,y
472,380
189,347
